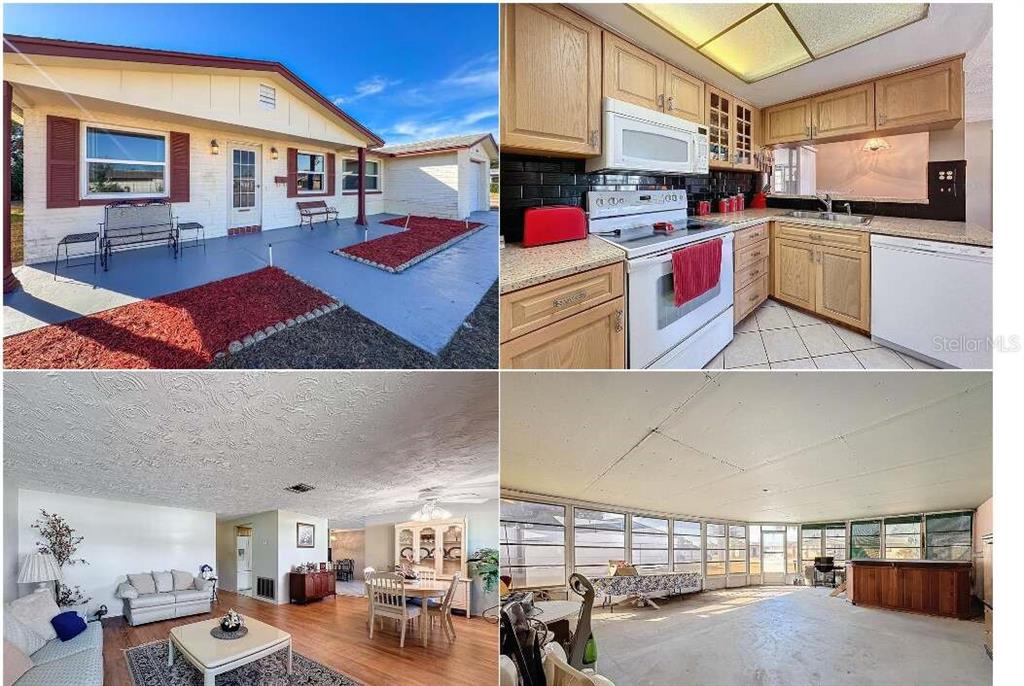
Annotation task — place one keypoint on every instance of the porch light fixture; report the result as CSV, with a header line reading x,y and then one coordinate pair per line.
x,y
755,41
429,512
273,153
214,147
876,144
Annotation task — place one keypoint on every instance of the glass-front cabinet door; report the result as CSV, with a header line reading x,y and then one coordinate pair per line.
x,y
720,127
405,542
743,138
452,560
427,547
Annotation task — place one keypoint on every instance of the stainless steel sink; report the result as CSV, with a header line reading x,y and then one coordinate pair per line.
x,y
837,217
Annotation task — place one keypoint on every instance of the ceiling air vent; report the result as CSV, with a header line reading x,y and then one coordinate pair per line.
x,y
300,488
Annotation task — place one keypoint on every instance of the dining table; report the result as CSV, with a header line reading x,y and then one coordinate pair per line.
x,y
425,590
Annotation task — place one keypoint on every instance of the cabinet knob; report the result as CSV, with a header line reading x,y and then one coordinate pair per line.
x,y
671,103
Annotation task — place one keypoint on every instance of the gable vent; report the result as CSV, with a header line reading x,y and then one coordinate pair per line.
x,y
300,488
268,96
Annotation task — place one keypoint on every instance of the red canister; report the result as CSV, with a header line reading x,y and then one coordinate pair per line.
x,y
741,202
723,205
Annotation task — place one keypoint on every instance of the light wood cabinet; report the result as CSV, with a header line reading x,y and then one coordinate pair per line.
x,y
823,271
719,106
787,123
632,75
929,95
744,137
594,339
684,95
750,270
550,80
844,112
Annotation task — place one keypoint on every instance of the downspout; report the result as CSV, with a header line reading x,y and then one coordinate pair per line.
x,y
361,212
10,280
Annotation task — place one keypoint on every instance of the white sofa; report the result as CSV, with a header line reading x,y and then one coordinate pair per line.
x,y
151,597
77,662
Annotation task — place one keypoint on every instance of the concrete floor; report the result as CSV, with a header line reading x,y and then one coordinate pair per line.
x,y
424,304
784,636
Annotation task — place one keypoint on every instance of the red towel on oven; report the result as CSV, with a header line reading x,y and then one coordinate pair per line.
x,y
696,269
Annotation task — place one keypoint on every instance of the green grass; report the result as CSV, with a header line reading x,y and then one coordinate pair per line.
x,y
17,233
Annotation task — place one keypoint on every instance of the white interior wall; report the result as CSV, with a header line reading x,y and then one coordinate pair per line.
x,y
11,560
288,553
120,538
264,550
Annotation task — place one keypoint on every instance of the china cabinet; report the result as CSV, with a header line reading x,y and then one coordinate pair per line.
x,y
438,545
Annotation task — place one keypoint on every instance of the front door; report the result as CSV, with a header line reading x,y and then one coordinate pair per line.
x,y
244,173
773,551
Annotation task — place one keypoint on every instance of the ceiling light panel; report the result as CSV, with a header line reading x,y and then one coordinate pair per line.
x,y
760,46
695,24
827,27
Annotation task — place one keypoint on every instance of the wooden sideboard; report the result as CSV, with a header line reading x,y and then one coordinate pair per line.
x,y
934,587
303,588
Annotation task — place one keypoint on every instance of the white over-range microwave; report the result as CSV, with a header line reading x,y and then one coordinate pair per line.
x,y
637,139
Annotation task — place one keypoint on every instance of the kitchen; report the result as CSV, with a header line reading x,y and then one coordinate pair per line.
x,y
789,182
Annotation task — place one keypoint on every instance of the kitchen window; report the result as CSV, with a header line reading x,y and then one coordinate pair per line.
x,y
124,163
532,543
686,546
350,175
866,540
714,542
312,174
903,538
948,536
599,538
737,550
649,540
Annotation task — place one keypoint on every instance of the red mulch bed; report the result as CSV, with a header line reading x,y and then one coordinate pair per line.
x,y
425,237
182,330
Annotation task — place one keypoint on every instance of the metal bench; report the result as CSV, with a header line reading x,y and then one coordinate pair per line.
x,y
315,208
127,224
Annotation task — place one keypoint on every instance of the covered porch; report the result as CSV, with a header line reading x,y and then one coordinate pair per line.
x,y
425,304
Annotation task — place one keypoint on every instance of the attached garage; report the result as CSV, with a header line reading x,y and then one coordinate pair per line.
x,y
443,177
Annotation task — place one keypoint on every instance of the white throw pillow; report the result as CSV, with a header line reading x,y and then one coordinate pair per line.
x,y
35,611
182,580
21,636
164,582
143,583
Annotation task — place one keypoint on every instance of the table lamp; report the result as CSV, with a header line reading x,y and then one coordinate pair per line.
x,y
40,568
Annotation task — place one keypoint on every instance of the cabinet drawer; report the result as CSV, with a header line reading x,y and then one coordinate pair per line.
x,y
593,339
749,297
747,256
746,237
531,308
743,277
854,240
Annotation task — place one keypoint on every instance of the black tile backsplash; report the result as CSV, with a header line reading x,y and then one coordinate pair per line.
x,y
528,181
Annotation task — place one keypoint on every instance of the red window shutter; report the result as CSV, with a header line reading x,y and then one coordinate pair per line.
x,y
293,172
180,160
330,173
61,161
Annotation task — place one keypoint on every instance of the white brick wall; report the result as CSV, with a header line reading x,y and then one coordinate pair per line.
x,y
423,184
209,185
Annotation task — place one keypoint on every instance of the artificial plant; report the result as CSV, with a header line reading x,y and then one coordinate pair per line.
x,y
484,564
61,541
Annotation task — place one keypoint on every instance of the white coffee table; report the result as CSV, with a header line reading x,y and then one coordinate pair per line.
x,y
213,656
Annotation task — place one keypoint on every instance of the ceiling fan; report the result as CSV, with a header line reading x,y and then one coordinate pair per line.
x,y
429,499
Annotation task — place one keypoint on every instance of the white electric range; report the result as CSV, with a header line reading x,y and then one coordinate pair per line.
x,y
661,335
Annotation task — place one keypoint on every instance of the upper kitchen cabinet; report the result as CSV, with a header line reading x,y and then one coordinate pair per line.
x,y
926,96
550,81
632,75
684,95
787,123
745,143
720,127
844,112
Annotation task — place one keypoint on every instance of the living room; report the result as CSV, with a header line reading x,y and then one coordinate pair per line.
x,y
160,507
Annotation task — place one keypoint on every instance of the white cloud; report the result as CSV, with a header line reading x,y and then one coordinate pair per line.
x,y
366,88
419,129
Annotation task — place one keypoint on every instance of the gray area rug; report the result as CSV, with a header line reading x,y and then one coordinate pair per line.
x,y
148,666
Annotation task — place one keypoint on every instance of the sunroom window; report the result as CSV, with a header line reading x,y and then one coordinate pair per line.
x,y
124,163
312,177
350,175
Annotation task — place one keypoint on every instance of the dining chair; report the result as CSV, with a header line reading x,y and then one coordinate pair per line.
x,y
445,613
426,573
387,599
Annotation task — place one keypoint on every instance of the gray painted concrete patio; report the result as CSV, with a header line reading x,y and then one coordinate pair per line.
x,y
424,304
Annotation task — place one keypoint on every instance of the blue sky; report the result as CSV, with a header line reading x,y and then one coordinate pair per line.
x,y
407,72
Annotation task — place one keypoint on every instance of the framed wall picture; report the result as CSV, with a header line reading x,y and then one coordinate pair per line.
x,y
305,535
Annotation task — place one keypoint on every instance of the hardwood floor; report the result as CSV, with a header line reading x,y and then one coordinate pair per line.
x,y
333,632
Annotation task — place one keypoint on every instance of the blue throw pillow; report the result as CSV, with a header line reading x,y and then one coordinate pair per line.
x,y
68,625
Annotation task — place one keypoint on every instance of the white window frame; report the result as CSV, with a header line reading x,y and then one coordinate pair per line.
x,y
84,161
379,175
326,186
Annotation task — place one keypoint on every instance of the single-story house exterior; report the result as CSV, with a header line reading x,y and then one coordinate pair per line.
x,y
443,177
232,143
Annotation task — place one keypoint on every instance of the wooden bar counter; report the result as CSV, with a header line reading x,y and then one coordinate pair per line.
x,y
934,587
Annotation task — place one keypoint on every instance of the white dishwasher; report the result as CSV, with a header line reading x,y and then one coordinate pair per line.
x,y
933,300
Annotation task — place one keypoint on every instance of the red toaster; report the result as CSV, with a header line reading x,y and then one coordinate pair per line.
x,y
553,224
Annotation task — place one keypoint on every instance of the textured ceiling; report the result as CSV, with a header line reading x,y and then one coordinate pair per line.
x,y
779,447
231,442
949,29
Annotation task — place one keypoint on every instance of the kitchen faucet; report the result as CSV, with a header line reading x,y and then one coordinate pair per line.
x,y
849,210
826,201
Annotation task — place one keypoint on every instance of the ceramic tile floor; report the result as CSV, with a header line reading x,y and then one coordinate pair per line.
x,y
779,337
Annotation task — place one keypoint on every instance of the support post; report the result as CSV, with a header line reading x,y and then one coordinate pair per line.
x,y
361,212
10,280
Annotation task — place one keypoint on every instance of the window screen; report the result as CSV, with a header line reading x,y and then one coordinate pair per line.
x,y
948,536
686,546
649,539
532,543
903,538
866,539
715,549
599,537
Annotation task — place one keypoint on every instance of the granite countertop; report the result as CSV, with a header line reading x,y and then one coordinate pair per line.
x,y
925,229
522,267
